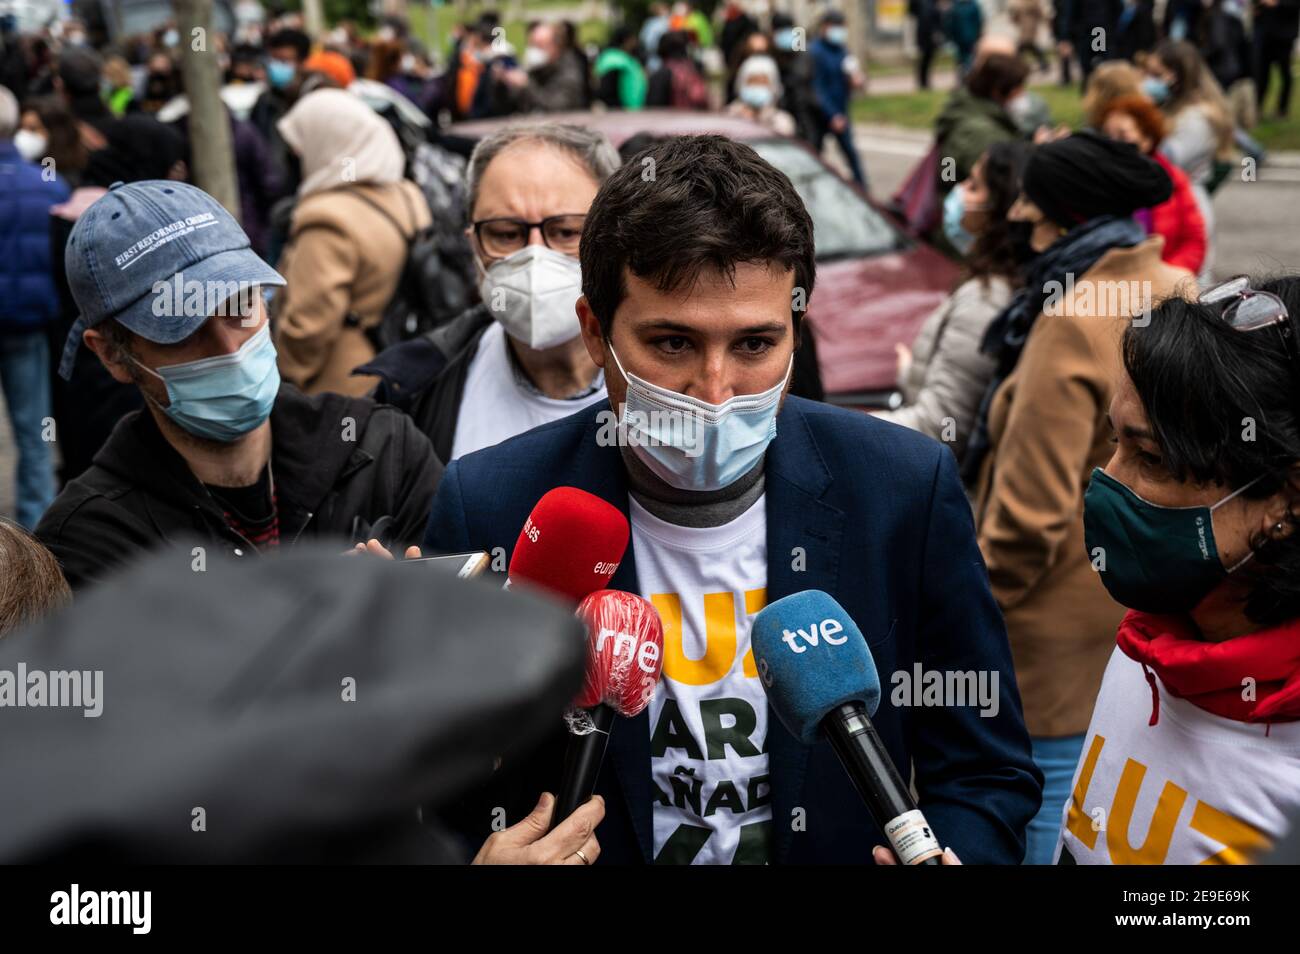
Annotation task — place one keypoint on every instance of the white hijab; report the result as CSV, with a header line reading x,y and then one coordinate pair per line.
x,y
340,141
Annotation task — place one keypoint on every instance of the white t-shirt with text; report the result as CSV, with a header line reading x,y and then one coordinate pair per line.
x,y
708,718
1193,788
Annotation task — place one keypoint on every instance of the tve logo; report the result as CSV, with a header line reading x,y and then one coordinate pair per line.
x,y
827,629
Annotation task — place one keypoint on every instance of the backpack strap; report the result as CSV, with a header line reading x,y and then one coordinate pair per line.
x,y
388,215
378,208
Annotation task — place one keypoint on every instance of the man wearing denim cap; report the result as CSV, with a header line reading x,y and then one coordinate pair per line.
x,y
170,296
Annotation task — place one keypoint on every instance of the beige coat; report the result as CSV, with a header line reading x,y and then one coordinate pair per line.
x,y
343,257
1048,429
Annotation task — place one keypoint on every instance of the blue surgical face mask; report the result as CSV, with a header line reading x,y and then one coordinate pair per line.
x,y
838,35
784,39
756,97
225,397
954,208
279,74
694,445
1157,89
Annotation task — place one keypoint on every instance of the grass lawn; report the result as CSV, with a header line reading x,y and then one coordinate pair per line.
x,y
433,24
918,110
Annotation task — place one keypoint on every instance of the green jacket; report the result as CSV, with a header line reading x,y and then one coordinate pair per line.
x,y
966,127
632,82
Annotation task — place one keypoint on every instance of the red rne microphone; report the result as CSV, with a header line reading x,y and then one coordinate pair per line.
x,y
571,543
625,656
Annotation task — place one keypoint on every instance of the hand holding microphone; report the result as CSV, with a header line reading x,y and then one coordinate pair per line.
x,y
534,841
625,643
821,681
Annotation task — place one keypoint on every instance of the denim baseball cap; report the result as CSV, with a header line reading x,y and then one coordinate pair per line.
x,y
144,233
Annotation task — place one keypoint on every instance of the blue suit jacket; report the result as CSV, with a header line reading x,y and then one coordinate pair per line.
x,y
883,525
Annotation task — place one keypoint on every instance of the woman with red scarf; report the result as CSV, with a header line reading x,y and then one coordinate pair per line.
x,y
1193,752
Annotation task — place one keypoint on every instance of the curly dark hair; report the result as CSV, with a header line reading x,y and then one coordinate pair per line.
x,y
1002,249
1201,382
710,204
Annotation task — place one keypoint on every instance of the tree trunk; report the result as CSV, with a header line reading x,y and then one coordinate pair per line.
x,y
313,18
212,154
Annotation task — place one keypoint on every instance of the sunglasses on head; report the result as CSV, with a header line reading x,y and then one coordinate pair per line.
x,y
1247,309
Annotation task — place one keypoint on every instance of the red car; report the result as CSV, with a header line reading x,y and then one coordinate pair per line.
x,y
876,281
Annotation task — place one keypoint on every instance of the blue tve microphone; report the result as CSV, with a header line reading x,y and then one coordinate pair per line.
x,y
820,678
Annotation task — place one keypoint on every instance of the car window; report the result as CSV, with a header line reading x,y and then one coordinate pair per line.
x,y
844,225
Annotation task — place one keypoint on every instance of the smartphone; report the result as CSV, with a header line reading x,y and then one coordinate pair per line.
x,y
461,565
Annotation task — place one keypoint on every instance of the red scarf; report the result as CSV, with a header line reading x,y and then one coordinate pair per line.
x,y
1209,675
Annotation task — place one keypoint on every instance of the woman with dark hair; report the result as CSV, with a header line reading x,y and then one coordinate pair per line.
x,y
1192,525
49,118
1042,429
1138,120
944,375
975,115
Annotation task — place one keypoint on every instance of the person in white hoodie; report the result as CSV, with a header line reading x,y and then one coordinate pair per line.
x,y
1193,752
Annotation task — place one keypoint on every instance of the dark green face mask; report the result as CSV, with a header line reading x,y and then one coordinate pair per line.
x,y
1151,558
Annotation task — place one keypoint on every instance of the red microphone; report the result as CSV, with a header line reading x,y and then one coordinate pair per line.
x,y
625,656
571,543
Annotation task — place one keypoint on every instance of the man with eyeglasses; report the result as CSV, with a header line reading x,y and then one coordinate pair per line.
x,y
516,360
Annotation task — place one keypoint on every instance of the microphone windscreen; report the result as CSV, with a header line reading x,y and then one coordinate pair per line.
x,y
625,651
811,658
571,543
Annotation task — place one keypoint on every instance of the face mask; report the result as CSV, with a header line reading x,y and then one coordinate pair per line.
x,y
534,58
532,294
279,74
838,35
1157,89
784,39
691,444
171,38
159,86
954,208
1157,559
225,397
756,97
30,145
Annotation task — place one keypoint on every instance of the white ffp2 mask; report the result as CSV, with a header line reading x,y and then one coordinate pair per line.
x,y
533,293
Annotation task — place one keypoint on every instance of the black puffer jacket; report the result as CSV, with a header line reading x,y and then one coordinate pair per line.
x,y
340,464
425,376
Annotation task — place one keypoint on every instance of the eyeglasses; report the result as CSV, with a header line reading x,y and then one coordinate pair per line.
x,y
501,237
1246,309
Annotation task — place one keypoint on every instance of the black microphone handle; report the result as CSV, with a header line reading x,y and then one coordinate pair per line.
x,y
872,771
582,761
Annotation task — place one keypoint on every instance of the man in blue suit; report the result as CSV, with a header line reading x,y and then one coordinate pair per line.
x,y
697,260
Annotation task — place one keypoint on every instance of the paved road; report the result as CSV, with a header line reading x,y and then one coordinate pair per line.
x,y
1256,228
1255,224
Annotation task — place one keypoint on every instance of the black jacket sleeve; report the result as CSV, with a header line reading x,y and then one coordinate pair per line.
x,y
91,537
420,476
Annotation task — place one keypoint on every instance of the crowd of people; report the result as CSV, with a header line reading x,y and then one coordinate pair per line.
x,y
407,337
